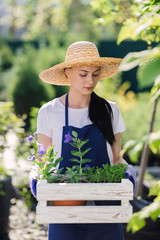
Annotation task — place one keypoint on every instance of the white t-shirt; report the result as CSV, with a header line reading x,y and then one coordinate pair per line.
x,y
51,119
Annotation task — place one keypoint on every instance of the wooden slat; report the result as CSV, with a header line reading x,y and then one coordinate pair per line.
x,y
85,191
83,214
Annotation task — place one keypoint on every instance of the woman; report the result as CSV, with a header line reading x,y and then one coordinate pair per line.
x,y
90,116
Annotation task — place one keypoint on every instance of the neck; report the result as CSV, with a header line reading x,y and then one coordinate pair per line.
x,y
78,100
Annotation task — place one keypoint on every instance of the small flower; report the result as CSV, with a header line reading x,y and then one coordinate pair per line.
x,y
30,138
68,137
35,134
87,166
41,150
32,157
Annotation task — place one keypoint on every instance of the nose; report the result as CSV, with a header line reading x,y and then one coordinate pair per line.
x,y
90,79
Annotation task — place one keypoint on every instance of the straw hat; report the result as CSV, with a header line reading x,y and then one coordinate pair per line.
x,y
80,53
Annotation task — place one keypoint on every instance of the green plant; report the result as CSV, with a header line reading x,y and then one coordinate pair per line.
x,y
106,173
78,143
43,160
48,169
145,25
152,211
27,90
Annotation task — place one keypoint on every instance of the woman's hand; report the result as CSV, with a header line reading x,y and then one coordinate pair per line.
x,y
47,142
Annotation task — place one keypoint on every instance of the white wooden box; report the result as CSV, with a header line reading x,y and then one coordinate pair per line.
x,y
84,191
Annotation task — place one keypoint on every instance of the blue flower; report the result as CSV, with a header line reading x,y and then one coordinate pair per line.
x,y
30,138
32,157
87,166
41,150
68,137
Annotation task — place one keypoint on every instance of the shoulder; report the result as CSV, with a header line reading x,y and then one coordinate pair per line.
x,y
49,106
113,105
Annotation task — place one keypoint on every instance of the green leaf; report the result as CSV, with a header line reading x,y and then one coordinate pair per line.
x,y
128,145
135,152
155,21
58,160
148,72
154,191
154,142
82,143
153,211
74,160
73,143
48,168
134,59
87,150
76,153
154,2
135,223
156,95
127,32
74,134
156,85
50,151
86,160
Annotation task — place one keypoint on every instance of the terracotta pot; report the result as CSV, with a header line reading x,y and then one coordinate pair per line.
x,y
69,203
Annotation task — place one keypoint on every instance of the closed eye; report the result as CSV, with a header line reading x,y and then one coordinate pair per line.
x,y
86,75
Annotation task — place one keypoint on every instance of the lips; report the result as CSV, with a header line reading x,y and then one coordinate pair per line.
x,y
88,88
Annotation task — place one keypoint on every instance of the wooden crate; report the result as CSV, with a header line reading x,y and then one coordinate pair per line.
x,y
84,191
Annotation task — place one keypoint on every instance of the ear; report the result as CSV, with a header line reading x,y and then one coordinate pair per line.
x,y
67,72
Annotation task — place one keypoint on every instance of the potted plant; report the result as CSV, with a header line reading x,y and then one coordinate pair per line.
x,y
80,183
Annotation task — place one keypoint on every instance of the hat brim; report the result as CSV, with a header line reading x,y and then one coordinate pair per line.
x,y
55,75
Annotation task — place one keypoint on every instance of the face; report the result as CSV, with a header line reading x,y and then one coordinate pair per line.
x,y
83,78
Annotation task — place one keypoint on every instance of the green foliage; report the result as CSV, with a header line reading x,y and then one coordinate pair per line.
x,y
6,57
6,62
33,119
27,89
47,167
144,23
107,173
8,121
148,70
39,20
135,147
152,211
137,117
111,14
78,143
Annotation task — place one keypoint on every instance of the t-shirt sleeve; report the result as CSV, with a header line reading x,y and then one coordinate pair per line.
x,y
117,121
43,125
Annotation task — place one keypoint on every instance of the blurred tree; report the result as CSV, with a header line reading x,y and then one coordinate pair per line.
x,y
111,14
27,90
30,20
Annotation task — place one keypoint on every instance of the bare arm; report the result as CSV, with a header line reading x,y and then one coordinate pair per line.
x,y
46,141
116,148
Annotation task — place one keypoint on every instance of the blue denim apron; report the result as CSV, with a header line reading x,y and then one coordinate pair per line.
x,y
99,156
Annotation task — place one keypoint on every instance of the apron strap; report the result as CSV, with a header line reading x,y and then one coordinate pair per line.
x,y
66,111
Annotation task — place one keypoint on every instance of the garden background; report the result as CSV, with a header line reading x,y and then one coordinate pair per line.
x,y
34,35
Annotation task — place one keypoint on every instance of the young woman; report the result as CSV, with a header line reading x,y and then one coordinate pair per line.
x,y
91,116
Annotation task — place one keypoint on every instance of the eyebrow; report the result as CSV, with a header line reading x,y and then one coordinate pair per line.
x,y
88,71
